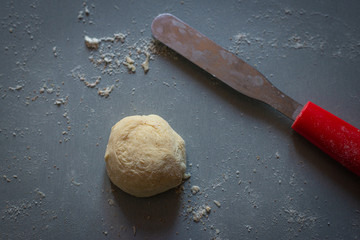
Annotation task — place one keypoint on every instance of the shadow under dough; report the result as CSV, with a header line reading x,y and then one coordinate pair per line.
x,y
150,214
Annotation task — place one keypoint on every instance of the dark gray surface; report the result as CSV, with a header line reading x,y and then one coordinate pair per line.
x,y
288,189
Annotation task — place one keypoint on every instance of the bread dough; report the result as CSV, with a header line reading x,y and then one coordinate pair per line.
x,y
145,156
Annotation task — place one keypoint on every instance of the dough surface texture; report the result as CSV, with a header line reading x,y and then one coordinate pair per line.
x,y
145,156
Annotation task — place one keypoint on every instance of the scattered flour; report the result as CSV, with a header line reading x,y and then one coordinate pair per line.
x,y
75,183
55,51
195,189
217,203
90,84
40,193
304,220
105,92
60,101
6,178
129,62
17,88
200,212
80,15
87,11
145,64
242,38
93,43
248,228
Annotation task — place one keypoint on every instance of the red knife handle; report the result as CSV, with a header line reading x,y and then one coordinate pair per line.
x,y
334,136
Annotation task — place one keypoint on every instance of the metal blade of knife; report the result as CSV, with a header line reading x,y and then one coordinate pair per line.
x,y
221,63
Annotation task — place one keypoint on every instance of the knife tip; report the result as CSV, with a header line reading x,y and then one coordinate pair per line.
x,y
155,27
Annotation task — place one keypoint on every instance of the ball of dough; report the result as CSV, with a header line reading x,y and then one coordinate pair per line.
x,y
145,156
